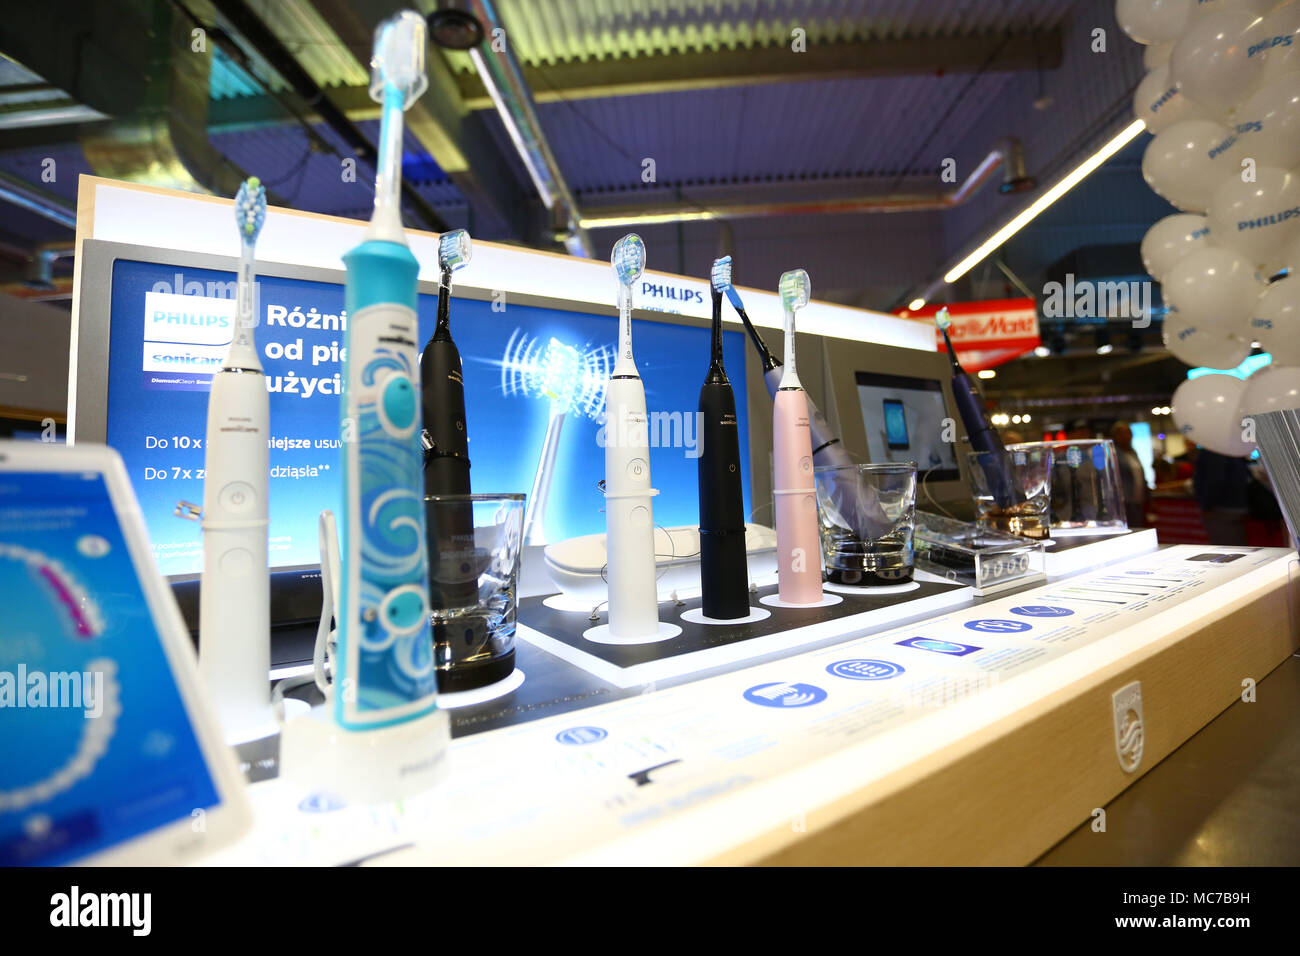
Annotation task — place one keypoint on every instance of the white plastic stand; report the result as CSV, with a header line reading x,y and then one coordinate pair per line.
x,y
365,766
696,616
828,600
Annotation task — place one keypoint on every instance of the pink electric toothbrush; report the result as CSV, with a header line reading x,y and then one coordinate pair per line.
x,y
798,545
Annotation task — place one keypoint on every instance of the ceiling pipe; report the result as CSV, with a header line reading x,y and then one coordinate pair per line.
x,y
20,193
1007,153
504,79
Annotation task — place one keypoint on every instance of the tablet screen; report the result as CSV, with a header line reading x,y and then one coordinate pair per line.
x,y
98,747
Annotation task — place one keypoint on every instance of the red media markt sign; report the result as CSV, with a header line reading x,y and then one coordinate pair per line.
x,y
986,333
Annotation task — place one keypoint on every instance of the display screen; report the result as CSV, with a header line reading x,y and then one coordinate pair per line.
x,y
527,371
906,419
98,746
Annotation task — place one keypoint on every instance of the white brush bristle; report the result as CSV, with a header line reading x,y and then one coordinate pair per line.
x,y
796,289
628,258
454,249
721,274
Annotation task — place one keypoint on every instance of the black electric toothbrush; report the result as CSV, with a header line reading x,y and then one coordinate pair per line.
x,y
454,563
979,428
724,573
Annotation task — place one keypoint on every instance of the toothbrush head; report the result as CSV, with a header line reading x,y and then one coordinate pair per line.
x,y
561,374
454,250
628,258
720,275
943,319
250,209
398,58
796,289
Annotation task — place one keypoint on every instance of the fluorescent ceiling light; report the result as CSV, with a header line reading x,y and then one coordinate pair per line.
x,y
987,373
1063,186
916,304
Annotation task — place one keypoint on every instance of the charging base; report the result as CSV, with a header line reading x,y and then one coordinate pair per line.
x,y
696,616
365,766
828,600
600,634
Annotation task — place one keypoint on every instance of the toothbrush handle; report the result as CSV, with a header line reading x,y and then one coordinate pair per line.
x,y
385,644
234,596
798,542
724,572
629,514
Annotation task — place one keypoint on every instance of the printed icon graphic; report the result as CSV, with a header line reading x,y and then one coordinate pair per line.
x,y
577,736
1130,732
780,694
951,648
993,625
1041,610
865,669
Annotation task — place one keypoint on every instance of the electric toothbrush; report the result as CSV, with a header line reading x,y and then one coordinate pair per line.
x,y
385,670
798,543
828,451
629,514
235,593
724,572
445,437
979,428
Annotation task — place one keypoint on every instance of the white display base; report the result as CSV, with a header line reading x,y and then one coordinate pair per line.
x,y
569,604
600,635
828,600
481,695
365,766
696,616
871,588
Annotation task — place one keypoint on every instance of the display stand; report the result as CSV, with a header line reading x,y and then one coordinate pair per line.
x,y
703,644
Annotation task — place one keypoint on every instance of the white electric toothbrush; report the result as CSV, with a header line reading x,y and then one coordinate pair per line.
x,y
629,514
235,596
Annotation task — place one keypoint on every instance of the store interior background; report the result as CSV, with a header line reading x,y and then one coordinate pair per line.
x,y
706,91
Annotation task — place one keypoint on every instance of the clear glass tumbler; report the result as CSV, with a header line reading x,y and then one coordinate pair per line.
x,y
475,542
1087,495
1013,489
867,513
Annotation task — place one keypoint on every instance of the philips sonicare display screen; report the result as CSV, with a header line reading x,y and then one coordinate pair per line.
x,y
905,420
527,370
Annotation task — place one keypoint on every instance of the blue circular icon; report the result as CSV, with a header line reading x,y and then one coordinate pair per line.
x,y
780,694
1041,610
321,803
577,736
993,625
864,669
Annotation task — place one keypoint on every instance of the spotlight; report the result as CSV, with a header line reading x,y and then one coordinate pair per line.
x,y
987,373
916,304
1042,351
454,28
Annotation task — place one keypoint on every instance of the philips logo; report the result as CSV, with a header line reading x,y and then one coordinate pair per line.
x,y
1165,97
655,290
1222,147
1269,43
189,318
1250,126
1264,222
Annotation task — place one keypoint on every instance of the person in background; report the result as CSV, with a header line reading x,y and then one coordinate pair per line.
x,y
1132,477
1222,492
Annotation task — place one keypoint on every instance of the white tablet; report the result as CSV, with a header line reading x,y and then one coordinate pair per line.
x,y
109,750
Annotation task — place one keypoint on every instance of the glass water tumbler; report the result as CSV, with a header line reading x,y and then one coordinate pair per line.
x,y
475,543
867,513
1013,489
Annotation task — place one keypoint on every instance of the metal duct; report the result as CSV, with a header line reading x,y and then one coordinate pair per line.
x,y
21,193
500,72
1007,153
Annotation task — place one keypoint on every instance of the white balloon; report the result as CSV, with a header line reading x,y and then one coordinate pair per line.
x,y
1206,412
1257,219
1268,123
1203,8
1198,348
1213,289
1276,41
1172,238
1272,389
1157,54
1275,321
1291,256
1160,104
1209,62
1185,162
1153,21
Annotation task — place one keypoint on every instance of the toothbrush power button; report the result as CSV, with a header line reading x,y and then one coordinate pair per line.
x,y
237,563
238,497
637,469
